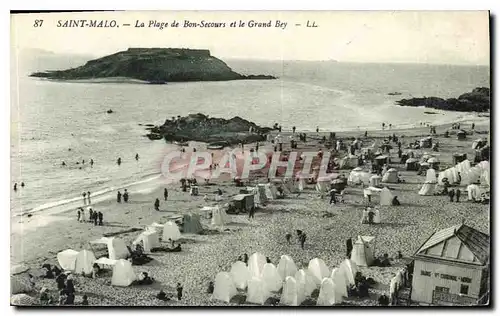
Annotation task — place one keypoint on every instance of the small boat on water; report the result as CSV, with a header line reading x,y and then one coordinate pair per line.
x,y
183,144
394,93
154,136
217,145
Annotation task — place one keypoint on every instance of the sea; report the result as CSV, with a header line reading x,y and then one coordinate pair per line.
x,y
52,122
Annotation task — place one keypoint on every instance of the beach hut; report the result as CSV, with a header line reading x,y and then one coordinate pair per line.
x,y
386,197
271,277
375,180
458,158
84,262
461,135
391,176
411,164
256,264
149,240
328,293
123,273
380,160
257,292
224,287
433,163
191,224
340,281
318,270
286,267
473,192
244,202
66,259
220,217
170,231
240,274
304,277
358,176
293,292
362,252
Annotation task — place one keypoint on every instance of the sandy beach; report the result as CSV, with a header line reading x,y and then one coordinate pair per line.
x,y
37,239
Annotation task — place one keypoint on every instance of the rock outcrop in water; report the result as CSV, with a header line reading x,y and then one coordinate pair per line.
x,y
199,127
476,101
155,66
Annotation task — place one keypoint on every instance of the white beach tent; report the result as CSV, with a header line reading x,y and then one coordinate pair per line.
x,y
376,217
358,176
257,292
220,217
427,189
149,239
339,278
116,247
66,259
224,288
318,270
473,192
123,273
240,274
328,293
386,197
293,292
362,251
375,180
347,162
286,267
155,227
84,262
271,277
391,176
170,231
305,277
349,269
256,264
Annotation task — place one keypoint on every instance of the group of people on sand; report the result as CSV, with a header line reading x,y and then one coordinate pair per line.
x,y
119,160
301,237
119,196
94,217
65,287
86,198
63,163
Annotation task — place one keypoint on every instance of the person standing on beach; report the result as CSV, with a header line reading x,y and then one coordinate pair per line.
x,y
157,204
366,133
293,130
451,194
15,186
88,196
95,218
82,211
22,184
137,157
457,194
119,197
302,239
91,163
125,196
179,291
383,126
99,215
348,244
288,238
84,198
91,215
119,161
257,147
79,214
332,197
473,126
165,194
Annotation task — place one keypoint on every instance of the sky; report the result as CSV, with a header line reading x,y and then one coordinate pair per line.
x,y
438,37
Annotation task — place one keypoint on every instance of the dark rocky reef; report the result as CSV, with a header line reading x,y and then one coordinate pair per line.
x,y
476,101
154,65
199,127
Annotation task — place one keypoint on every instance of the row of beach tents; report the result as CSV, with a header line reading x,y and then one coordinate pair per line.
x,y
260,279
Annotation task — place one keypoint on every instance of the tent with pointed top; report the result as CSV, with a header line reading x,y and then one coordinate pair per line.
x,y
220,217
375,180
116,247
286,267
256,264
349,268
271,277
224,288
84,262
171,231
386,197
427,189
318,270
191,224
391,176
293,292
149,239
123,273
257,292
240,274
362,252
339,278
328,293
66,259
305,277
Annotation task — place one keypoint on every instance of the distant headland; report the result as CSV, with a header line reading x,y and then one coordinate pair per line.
x,y
476,101
154,66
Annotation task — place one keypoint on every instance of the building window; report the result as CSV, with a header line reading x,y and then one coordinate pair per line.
x,y
464,289
448,277
442,289
426,273
466,280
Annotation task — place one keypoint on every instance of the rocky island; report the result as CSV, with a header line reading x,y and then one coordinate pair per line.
x,y
199,127
154,66
476,101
